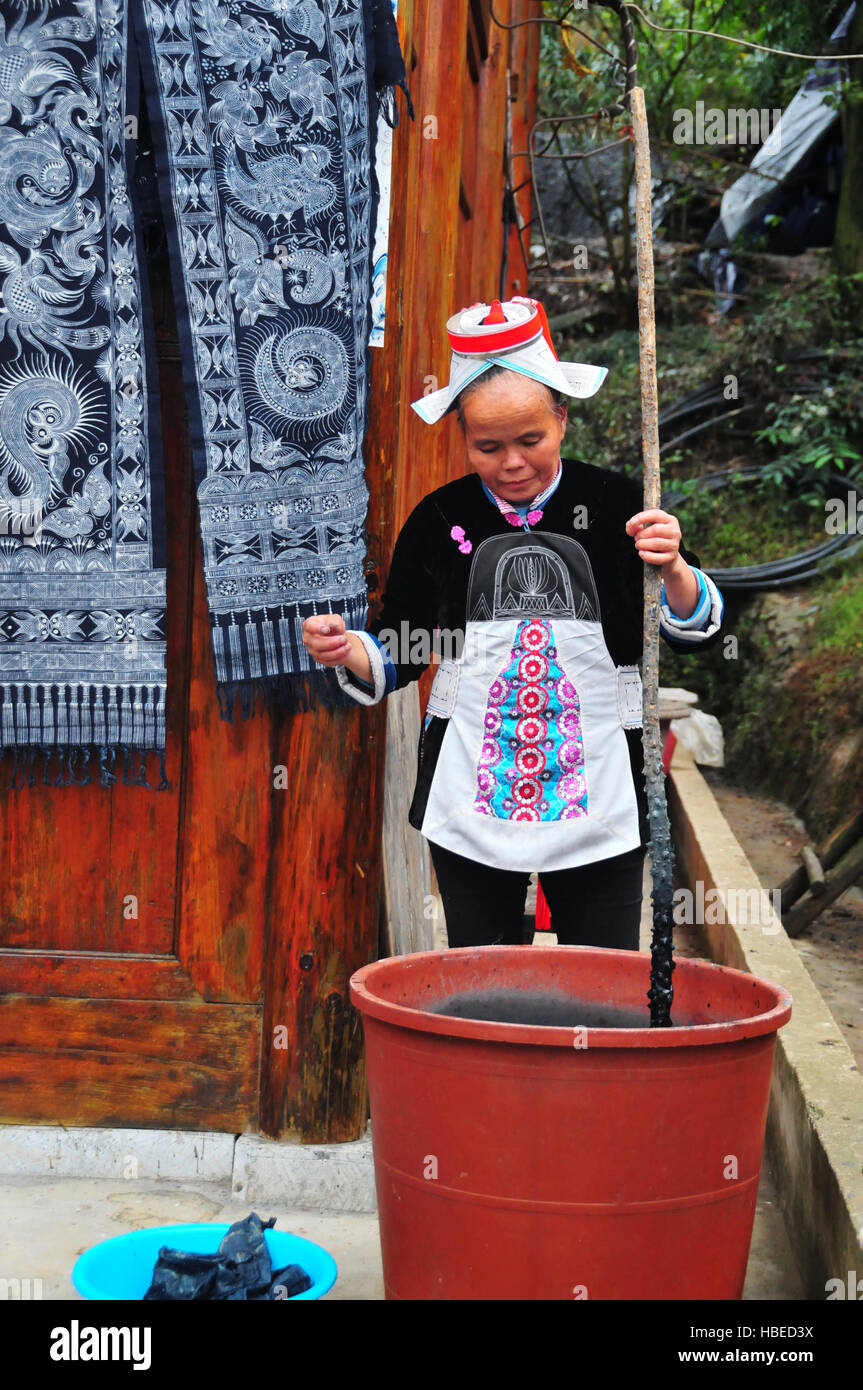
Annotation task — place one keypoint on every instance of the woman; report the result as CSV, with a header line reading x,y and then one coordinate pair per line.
x,y
530,756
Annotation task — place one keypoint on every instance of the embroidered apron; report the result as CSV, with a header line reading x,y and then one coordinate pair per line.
x,y
534,772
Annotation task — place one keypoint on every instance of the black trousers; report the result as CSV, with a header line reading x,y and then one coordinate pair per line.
x,y
595,904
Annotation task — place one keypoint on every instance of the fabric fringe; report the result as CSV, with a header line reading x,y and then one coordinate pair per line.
x,y
82,724
385,60
82,714
295,694
388,105
77,765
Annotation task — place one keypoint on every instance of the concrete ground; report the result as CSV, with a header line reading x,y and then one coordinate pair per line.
x,y
48,1222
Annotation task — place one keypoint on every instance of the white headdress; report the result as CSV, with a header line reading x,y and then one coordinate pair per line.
x,y
513,334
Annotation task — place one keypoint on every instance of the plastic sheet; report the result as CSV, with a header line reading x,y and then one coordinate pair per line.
x,y
701,734
240,1271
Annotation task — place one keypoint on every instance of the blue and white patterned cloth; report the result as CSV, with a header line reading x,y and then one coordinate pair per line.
x,y
263,114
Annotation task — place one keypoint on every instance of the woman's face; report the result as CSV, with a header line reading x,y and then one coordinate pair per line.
x,y
513,434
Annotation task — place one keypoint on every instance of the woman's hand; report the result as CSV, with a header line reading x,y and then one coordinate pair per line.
x,y
657,540
330,644
326,638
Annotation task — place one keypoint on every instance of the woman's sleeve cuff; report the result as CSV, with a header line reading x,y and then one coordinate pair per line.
x,y
704,622
383,673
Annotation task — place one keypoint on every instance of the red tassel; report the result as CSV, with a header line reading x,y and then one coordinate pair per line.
x,y
543,912
496,315
546,331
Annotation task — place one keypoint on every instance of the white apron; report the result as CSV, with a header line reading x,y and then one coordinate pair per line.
x,y
534,772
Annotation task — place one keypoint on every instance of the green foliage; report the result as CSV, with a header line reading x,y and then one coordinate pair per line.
x,y
810,442
735,526
799,26
581,71
606,430
799,438
678,69
607,426
805,436
840,621
826,310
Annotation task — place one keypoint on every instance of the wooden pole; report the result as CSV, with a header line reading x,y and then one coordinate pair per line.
x,y
838,881
828,854
660,993
814,871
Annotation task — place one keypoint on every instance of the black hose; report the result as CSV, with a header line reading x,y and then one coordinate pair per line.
x,y
705,425
791,569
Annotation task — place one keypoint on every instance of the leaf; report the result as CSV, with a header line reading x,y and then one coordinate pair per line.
x,y
570,48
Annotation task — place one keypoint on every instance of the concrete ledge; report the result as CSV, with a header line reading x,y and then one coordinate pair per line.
x,y
815,1121
303,1177
329,1177
53,1151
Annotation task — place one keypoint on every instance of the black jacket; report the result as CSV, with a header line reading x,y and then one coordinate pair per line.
x,y
428,582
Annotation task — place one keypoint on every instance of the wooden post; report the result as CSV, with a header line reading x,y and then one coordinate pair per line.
x,y
408,921
661,853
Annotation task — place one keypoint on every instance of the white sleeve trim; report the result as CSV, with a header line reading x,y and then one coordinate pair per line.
x,y
345,677
681,629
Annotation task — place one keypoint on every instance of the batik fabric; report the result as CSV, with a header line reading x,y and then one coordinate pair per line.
x,y
263,117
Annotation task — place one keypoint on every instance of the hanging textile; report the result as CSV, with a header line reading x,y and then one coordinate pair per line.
x,y
263,118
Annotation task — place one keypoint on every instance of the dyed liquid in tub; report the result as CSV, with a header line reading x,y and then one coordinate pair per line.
x,y
540,1010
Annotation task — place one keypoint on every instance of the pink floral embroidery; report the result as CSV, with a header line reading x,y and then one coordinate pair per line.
x,y
532,766
465,546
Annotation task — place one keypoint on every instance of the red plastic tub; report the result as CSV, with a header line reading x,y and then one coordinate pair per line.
x,y
535,1162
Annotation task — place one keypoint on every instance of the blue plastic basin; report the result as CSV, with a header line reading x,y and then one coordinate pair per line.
x,y
122,1267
